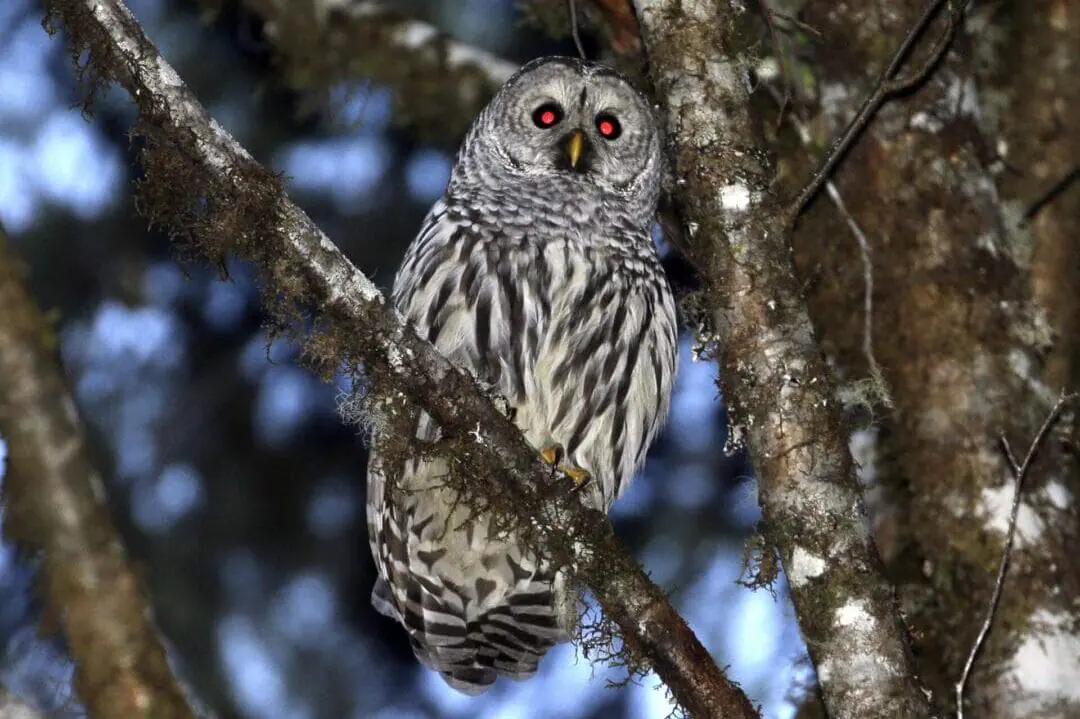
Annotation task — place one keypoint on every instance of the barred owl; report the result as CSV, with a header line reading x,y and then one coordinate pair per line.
x,y
536,272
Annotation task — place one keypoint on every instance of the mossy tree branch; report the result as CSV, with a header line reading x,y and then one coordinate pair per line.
x,y
213,197
54,501
779,392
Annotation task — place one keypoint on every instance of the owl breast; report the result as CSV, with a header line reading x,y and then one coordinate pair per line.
x,y
576,329
601,376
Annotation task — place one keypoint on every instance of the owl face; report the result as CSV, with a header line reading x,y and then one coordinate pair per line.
x,y
567,117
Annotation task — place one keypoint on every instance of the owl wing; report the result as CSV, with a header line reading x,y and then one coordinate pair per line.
x,y
474,606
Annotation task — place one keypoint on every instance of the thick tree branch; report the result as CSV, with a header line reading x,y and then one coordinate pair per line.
x,y
774,379
961,337
55,505
220,200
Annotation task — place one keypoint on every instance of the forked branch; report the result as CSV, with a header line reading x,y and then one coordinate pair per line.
x,y
1020,472
888,83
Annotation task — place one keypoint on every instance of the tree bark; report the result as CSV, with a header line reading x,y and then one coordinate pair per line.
x,y
774,380
962,339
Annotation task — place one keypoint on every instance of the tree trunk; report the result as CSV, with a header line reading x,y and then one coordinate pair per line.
x,y
961,330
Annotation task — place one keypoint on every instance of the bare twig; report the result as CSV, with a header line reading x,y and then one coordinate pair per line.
x,y
783,67
571,7
1020,472
1051,192
298,261
54,501
885,86
618,17
881,388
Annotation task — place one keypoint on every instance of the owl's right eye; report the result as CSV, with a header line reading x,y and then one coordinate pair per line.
x,y
547,115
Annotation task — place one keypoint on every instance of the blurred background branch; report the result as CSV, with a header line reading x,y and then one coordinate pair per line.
x,y
54,504
438,83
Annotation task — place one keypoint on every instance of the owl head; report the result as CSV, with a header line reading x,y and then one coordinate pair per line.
x,y
565,117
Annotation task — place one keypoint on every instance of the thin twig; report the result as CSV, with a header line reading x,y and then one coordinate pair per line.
x,y
884,87
881,389
1020,472
1051,192
778,52
572,7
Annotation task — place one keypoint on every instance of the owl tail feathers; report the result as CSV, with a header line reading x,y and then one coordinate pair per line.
x,y
507,640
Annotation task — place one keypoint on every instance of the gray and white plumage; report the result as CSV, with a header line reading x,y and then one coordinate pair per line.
x,y
538,274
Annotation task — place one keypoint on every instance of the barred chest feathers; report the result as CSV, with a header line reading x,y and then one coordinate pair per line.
x,y
578,333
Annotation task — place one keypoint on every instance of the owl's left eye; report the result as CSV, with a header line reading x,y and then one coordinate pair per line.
x,y
608,126
547,115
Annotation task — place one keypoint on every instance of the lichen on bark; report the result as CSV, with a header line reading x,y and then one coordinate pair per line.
x,y
961,334
771,369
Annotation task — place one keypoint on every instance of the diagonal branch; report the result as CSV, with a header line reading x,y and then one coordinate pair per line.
x,y
774,378
54,501
220,200
886,85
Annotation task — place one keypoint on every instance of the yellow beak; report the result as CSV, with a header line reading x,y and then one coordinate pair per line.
x,y
575,146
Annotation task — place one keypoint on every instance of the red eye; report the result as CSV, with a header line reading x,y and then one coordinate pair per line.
x,y
547,115
608,126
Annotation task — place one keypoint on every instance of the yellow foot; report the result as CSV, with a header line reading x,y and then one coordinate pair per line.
x,y
554,454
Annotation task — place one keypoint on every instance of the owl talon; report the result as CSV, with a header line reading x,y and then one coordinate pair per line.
x,y
581,477
554,455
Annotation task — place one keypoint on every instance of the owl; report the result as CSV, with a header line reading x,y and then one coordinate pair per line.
x,y
537,273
